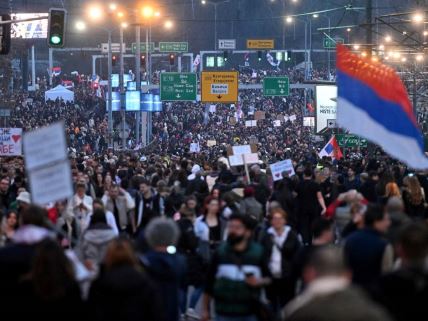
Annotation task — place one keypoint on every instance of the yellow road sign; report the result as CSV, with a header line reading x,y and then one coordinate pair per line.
x,y
260,44
219,87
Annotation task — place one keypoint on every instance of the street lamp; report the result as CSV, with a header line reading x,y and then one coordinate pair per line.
x,y
418,17
215,4
95,12
168,24
289,20
80,25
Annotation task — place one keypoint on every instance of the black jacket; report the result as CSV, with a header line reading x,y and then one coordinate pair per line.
x,y
124,294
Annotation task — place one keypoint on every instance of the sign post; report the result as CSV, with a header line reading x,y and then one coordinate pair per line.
x,y
173,46
219,87
276,86
330,43
227,44
176,86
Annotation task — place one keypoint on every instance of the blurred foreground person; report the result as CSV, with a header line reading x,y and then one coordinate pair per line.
x,y
123,291
165,267
49,291
329,295
405,292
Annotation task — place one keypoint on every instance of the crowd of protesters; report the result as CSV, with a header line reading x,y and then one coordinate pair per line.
x,y
161,233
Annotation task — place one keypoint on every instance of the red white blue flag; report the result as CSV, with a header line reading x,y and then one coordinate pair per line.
x,y
331,149
373,103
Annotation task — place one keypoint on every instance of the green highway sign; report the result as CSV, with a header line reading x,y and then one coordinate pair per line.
x,y
276,86
349,141
176,86
143,47
173,46
330,43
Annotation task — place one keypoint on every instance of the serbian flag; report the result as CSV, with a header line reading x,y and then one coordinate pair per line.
x,y
373,103
331,149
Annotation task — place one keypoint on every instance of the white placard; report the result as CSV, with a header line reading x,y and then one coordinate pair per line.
x,y
250,123
280,167
50,184
309,121
44,146
212,108
195,148
292,118
286,118
252,158
236,160
10,141
276,123
241,149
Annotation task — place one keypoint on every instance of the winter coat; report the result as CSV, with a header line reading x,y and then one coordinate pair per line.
x,y
167,272
251,207
95,241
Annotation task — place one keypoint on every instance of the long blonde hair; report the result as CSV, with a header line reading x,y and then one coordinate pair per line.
x,y
414,188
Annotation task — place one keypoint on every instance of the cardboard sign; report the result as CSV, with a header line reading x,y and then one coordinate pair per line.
x,y
10,141
238,160
250,123
252,158
195,148
258,115
211,143
276,123
280,167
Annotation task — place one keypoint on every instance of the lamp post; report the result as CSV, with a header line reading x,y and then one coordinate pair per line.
x,y
289,20
329,35
215,4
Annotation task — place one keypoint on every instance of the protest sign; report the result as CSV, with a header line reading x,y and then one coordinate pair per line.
x,y
211,143
280,167
258,115
276,123
292,118
10,141
250,123
241,149
195,148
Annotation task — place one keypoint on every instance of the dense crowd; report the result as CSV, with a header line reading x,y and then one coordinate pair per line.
x,y
161,233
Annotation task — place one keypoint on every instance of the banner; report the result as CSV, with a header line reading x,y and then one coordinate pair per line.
x,y
280,167
10,141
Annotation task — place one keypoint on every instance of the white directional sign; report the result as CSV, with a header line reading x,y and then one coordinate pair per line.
x,y
227,44
115,47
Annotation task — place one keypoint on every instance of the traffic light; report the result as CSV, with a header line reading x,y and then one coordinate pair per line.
x,y
225,55
259,55
171,59
5,35
113,60
143,60
56,28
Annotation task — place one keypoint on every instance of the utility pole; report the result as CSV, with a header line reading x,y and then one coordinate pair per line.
x,y
369,40
122,90
138,77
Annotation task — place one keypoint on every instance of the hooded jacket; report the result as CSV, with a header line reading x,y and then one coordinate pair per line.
x,y
94,242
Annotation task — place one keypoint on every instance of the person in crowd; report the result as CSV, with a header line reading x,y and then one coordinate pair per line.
x,y
352,182
50,290
16,259
281,246
356,222
323,235
95,240
414,198
67,224
148,204
309,201
329,294
164,265
250,206
123,291
5,196
188,246
239,264
366,251
405,291
210,228
391,190
120,203
81,204
111,221
368,188
23,201
395,210
8,228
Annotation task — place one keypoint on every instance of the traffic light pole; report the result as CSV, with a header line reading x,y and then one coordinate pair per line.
x,y
110,111
122,91
138,77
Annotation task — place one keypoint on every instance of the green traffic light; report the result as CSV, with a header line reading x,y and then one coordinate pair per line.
x,y
55,39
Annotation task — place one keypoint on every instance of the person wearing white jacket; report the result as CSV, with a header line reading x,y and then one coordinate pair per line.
x,y
120,203
81,204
